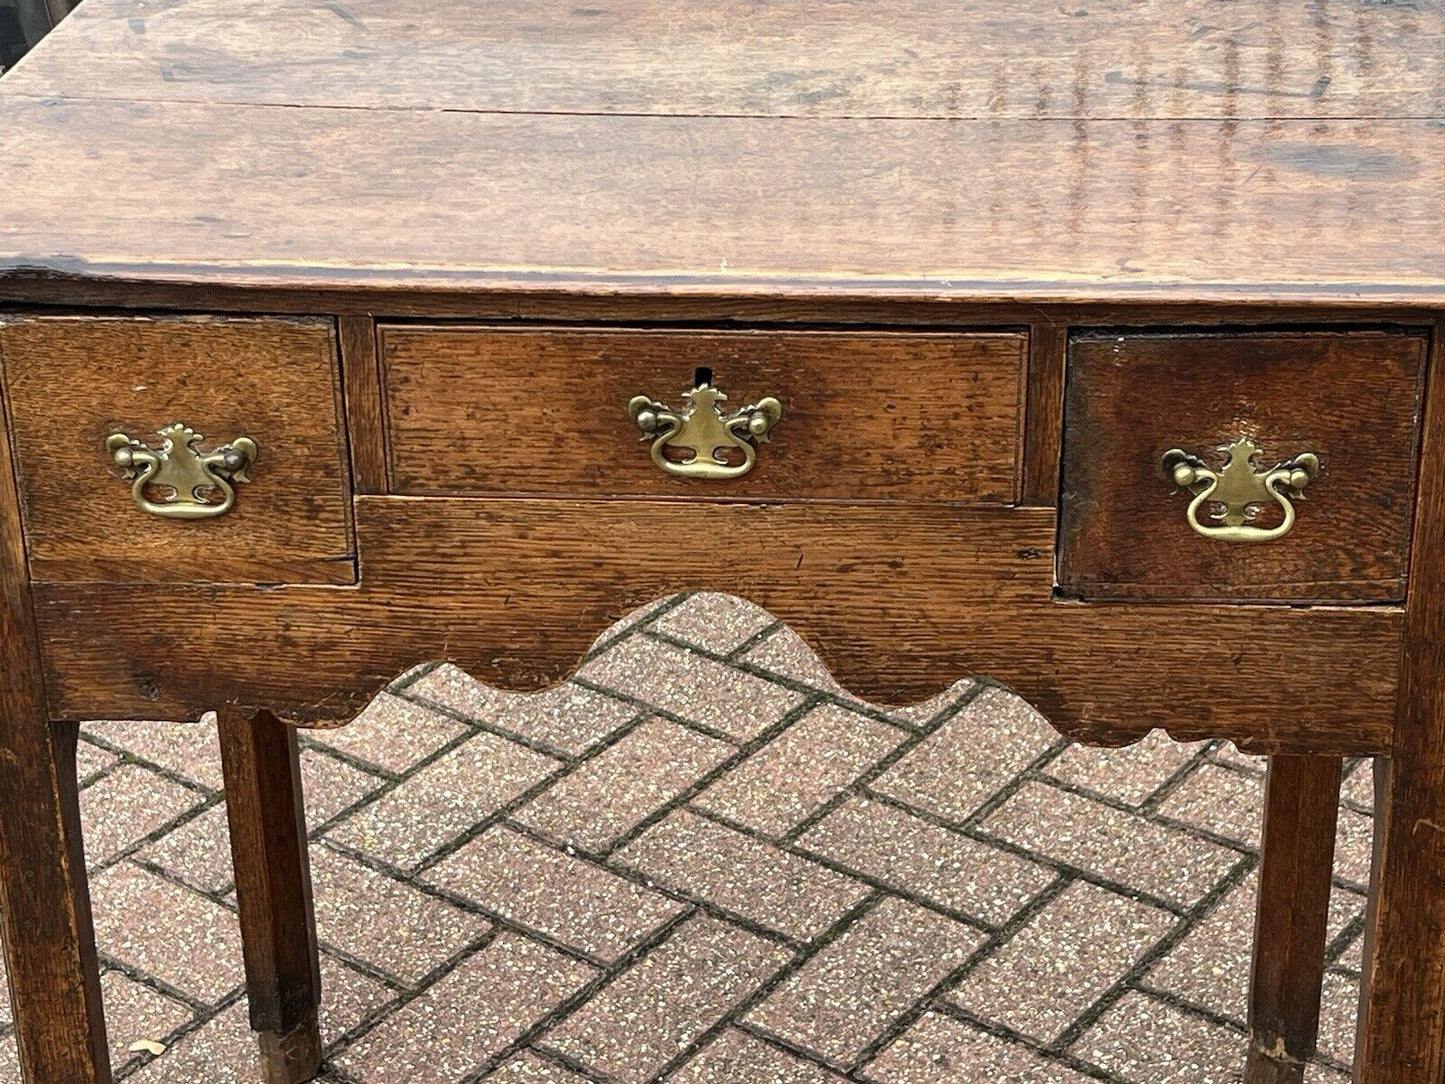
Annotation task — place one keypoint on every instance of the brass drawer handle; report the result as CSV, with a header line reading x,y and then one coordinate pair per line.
x,y
192,476
701,431
1240,488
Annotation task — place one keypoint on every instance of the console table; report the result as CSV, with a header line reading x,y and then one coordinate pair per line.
x,y
1088,347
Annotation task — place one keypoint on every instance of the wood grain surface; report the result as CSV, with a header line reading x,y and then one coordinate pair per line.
x,y
1301,808
1154,162
898,600
1402,1027
72,381
1044,419
49,938
1121,151
365,425
1020,211
995,59
266,814
1350,398
497,410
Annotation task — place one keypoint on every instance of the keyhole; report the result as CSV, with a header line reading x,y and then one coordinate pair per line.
x,y
702,376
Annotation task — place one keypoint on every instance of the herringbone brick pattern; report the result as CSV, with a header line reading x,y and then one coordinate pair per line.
x,y
702,862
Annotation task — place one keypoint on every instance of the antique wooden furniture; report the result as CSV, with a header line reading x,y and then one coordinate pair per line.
x,y
1094,348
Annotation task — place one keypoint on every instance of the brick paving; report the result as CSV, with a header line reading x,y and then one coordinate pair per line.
x,y
702,862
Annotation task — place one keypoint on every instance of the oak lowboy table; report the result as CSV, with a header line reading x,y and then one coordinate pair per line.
x,y
1093,348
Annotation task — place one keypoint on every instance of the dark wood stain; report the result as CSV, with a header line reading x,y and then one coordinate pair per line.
x,y
1162,59
1048,345
1124,531
614,204
260,760
54,974
1302,801
891,215
365,423
899,601
72,381
887,416
1401,1031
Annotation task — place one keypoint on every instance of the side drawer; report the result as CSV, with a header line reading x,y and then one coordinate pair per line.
x,y
544,411
73,383
1246,416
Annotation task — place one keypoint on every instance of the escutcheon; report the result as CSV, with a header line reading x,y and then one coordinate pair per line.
x,y
701,435
199,483
1239,490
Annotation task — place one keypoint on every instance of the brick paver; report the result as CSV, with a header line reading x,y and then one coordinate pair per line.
x,y
566,720
735,1055
970,757
801,769
136,1013
847,995
939,1050
182,940
1076,949
691,685
127,803
468,1017
395,927
648,1017
940,867
609,795
1145,1041
701,862
750,877
1131,779
529,1068
465,786
1219,800
554,894
1068,828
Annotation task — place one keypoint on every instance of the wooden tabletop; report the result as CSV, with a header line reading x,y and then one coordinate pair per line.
x,y
1111,150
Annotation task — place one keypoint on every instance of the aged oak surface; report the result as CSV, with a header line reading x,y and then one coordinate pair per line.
x,y
925,220
53,972
899,602
993,59
1131,398
1344,212
472,410
1172,149
261,763
1302,795
1400,1036
72,381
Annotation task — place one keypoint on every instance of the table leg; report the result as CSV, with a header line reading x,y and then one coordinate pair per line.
x,y
1301,809
44,896
1403,1007
45,903
273,890
1402,994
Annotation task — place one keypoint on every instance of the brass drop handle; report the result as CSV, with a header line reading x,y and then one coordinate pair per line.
x,y
194,478
1239,489
701,432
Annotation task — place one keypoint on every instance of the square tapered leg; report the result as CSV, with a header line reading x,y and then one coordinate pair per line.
x,y
273,890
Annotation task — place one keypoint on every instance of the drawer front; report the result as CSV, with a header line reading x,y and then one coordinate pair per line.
x,y
482,410
1158,423
76,384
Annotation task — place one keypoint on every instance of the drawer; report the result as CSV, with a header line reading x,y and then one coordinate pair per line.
x,y
494,410
1337,411
73,384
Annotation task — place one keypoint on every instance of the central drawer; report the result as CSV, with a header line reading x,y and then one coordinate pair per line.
x,y
864,415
